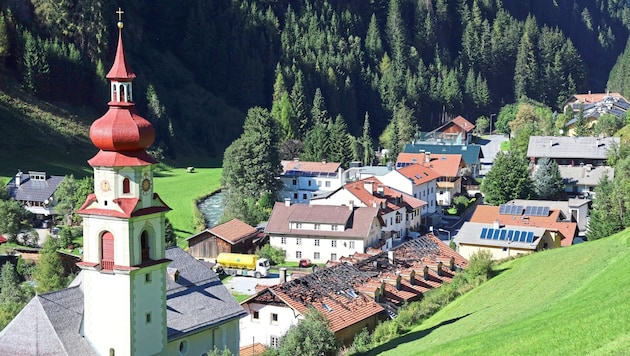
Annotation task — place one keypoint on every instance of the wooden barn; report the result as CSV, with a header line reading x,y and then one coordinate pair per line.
x,y
233,236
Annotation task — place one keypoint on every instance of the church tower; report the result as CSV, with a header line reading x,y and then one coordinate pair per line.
x,y
124,269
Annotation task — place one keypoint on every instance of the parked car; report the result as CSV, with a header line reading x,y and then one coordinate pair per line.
x,y
305,262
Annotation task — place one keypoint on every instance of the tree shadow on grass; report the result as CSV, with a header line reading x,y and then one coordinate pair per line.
x,y
411,336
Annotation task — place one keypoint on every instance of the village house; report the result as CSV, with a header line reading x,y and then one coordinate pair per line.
x,y
572,210
133,296
323,233
418,181
354,294
594,105
458,131
505,240
36,191
471,154
399,211
304,180
450,167
581,160
233,236
528,213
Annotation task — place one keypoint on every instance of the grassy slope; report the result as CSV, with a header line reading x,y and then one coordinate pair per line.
x,y
566,301
180,190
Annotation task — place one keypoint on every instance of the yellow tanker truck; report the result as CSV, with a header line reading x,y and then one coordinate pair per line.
x,y
238,264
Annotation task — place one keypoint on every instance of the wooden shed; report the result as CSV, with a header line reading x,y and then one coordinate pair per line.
x,y
233,236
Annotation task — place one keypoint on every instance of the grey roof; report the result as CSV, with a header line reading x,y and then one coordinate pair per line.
x,y
585,175
33,190
198,299
50,324
570,147
470,233
471,153
563,205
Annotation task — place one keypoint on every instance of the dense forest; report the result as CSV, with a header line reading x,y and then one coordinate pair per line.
x,y
202,65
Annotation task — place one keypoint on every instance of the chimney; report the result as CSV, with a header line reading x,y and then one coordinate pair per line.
x,y
425,273
173,273
452,264
439,269
390,257
597,142
551,142
18,178
412,278
380,189
351,205
287,202
496,224
369,186
283,275
427,157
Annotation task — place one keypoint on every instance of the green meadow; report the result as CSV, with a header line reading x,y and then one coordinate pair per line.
x,y
568,301
181,190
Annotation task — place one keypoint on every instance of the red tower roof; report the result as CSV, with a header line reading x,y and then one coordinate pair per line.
x,y
120,70
121,134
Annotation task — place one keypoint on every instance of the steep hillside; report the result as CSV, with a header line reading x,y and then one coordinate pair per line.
x,y
568,301
37,135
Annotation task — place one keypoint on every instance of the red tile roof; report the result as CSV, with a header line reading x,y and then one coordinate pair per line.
x,y
594,97
125,207
418,173
488,214
233,231
446,165
3,239
306,166
463,123
368,191
252,350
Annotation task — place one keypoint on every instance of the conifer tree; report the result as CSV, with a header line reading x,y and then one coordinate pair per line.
x,y
319,113
367,147
547,181
10,291
49,273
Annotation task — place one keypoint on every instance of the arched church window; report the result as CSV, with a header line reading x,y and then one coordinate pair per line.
x,y
107,251
144,245
122,92
115,98
126,188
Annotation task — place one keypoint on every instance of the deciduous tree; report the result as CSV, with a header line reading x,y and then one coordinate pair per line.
x,y
310,337
507,179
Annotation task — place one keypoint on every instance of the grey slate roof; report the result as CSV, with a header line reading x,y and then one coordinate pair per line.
x,y
570,147
50,324
198,300
471,153
585,176
33,190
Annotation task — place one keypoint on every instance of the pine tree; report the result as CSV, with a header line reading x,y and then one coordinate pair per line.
x,y
367,147
4,40
373,43
298,102
10,285
603,220
548,183
319,113
49,273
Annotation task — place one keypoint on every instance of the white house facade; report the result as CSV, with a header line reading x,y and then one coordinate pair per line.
x,y
322,233
417,181
304,180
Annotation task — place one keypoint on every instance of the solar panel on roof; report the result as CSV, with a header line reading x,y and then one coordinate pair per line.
x,y
510,234
528,211
496,234
517,210
546,211
483,232
515,237
502,208
502,236
539,210
530,237
523,237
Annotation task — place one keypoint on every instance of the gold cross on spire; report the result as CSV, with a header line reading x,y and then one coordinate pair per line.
x,y
120,12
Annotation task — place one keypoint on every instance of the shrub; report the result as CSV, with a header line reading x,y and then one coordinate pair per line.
x,y
362,341
275,255
480,264
65,237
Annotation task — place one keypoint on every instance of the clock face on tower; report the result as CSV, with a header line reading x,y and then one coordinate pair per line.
x,y
105,185
146,185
